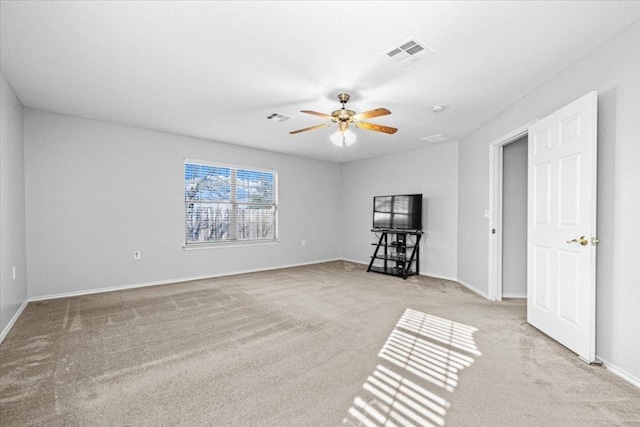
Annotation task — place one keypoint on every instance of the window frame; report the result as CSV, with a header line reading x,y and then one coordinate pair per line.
x,y
234,168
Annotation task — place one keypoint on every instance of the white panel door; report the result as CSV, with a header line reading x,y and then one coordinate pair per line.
x,y
561,273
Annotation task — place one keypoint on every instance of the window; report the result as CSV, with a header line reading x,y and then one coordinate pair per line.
x,y
229,204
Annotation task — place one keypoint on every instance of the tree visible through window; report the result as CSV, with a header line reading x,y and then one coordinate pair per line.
x,y
228,204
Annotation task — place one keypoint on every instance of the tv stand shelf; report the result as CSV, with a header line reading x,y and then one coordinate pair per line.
x,y
397,252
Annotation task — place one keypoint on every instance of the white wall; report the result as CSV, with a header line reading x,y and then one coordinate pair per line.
x,y
613,69
514,219
13,293
431,171
97,191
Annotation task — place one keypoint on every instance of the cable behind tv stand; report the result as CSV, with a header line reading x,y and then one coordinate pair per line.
x,y
397,252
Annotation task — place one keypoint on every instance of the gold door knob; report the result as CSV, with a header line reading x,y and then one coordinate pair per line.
x,y
582,240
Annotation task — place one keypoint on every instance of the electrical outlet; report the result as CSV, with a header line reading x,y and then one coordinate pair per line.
x,y
304,243
136,255
14,272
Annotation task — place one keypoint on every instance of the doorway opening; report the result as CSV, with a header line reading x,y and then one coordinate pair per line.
x,y
496,206
514,219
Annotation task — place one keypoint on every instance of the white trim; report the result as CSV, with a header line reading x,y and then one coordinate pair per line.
x,y
232,244
353,261
473,288
506,295
495,208
495,222
513,135
167,282
234,204
609,366
620,372
438,276
435,276
7,328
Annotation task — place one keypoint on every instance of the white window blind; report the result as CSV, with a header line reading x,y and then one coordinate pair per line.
x,y
226,203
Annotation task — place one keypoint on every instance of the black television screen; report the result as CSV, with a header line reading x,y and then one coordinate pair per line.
x,y
402,211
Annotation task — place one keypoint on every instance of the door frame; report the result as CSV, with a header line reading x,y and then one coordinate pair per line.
x,y
496,175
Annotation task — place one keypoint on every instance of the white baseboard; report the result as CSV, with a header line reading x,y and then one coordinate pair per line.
x,y
438,276
426,274
353,261
167,282
507,295
620,372
473,288
6,330
609,366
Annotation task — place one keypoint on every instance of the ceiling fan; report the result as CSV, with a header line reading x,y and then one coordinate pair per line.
x,y
344,117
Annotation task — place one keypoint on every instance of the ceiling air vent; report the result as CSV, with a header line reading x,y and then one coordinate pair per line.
x,y
408,52
433,139
279,117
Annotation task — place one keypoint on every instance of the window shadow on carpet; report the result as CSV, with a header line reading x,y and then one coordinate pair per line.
x,y
418,370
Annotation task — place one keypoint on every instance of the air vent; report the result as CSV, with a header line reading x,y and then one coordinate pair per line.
x,y
433,139
279,117
408,52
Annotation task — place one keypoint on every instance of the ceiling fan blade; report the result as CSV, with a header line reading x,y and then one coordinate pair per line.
x,y
373,113
315,113
310,128
377,128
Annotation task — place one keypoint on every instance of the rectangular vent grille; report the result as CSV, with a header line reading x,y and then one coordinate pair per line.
x,y
279,117
409,52
433,139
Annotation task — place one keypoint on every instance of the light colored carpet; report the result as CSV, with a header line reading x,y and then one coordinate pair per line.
x,y
319,345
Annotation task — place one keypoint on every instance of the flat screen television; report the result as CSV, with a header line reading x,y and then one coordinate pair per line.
x,y
403,212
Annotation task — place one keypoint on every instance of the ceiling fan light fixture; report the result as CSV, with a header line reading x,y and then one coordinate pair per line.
x,y
343,117
343,138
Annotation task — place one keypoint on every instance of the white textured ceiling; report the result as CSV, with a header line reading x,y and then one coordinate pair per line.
x,y
216,70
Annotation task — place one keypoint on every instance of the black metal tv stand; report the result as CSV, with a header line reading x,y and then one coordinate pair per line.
x,y
400,255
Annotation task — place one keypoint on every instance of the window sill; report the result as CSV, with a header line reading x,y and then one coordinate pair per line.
x,y
199,246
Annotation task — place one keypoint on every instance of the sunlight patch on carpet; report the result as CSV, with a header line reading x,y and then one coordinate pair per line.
x,y
419,367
